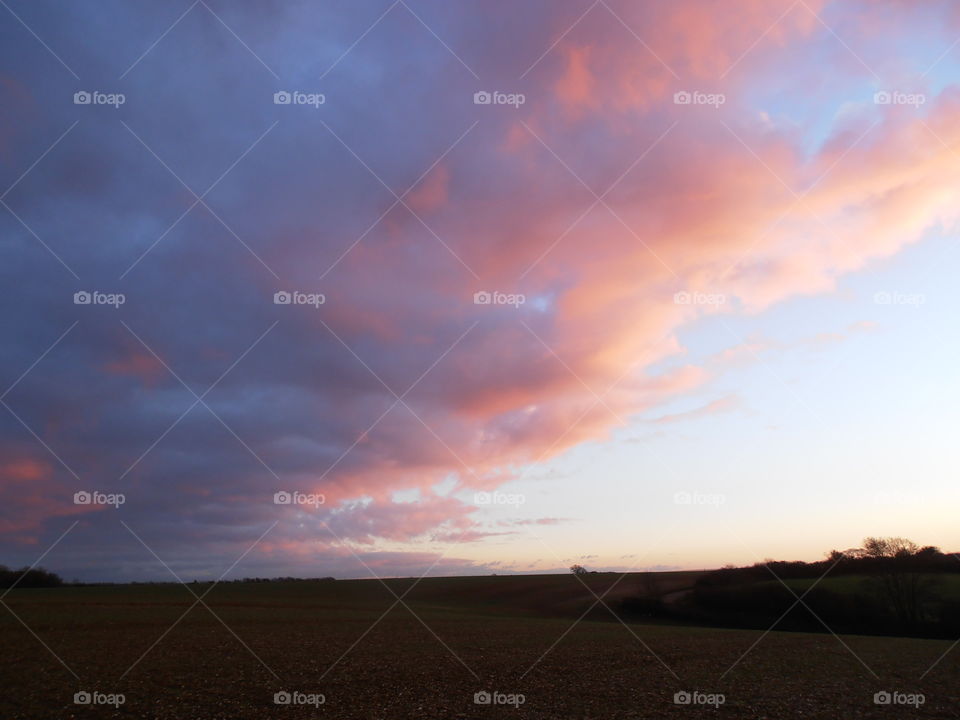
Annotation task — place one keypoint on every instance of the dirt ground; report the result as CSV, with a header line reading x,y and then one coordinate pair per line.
x,y
352,646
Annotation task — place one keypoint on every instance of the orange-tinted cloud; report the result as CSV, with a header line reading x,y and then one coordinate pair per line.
x,y
721,405
136,361
431,194
31,494
705,211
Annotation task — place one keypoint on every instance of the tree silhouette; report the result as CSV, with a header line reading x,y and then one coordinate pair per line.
x,y
900,579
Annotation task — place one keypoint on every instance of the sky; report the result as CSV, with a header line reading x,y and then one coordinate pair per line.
x,y
398,288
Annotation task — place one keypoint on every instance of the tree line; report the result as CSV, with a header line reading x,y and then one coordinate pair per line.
x,y
27,577
890,585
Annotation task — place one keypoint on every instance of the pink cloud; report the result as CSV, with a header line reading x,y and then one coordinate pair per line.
x,y
721,405
400,521
432,192
30,494
701,200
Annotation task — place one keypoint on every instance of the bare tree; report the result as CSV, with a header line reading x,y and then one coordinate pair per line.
x,y
900,579
889,547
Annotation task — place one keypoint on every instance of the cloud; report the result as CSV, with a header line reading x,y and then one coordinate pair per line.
x,y
824,339
535,521
401,521
399,380
720,405
432,193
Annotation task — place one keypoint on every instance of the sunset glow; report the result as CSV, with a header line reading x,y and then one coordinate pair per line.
x,y
425,287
